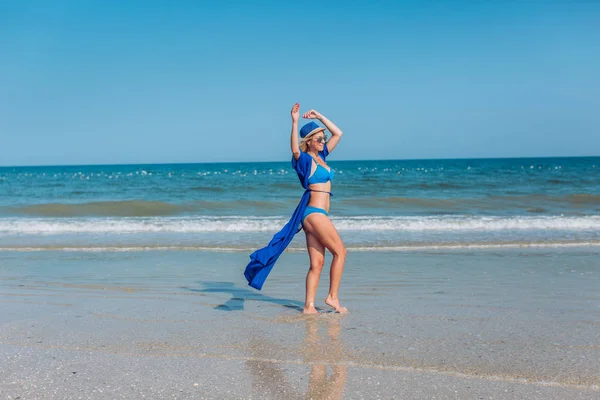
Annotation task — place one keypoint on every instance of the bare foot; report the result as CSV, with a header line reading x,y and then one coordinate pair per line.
x,y
335,304
310,309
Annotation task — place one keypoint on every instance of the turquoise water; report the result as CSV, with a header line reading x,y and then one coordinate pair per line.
x,y
387,205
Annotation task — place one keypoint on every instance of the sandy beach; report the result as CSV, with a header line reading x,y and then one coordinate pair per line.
x,y
183,325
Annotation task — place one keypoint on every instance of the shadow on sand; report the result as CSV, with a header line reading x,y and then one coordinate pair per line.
x,y
240,295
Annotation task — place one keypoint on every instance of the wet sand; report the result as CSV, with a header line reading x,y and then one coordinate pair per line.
x,y
445,325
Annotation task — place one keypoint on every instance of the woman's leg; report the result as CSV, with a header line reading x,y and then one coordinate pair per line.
x,y
316,252
322,229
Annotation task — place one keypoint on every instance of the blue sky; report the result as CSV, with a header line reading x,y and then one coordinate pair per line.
x,y
89,82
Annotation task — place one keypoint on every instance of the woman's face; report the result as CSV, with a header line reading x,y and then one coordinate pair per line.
x,y
317,142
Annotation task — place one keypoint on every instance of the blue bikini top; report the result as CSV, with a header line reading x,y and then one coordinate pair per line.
x,y
321,175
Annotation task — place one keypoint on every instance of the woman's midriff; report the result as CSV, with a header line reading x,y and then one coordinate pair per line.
x,y
318,199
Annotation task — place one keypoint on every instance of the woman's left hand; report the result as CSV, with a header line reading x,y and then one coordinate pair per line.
x,y
312,114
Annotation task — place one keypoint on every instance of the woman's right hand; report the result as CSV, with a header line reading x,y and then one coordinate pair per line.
x,y
295,112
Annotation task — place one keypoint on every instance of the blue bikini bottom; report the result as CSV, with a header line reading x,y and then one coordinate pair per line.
x,y
310,209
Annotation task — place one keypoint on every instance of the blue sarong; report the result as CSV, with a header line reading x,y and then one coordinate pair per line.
x,y
263,260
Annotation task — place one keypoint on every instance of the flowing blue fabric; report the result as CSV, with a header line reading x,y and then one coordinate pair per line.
x,y
263,260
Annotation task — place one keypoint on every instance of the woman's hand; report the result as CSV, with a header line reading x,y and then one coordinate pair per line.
x,y
295,112
312,114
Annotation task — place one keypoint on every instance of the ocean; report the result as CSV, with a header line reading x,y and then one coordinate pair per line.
x,y
390,205
464,279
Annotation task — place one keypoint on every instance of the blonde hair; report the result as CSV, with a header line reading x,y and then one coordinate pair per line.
x,y
304,143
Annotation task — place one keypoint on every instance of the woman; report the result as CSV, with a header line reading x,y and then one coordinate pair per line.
x,y
311,214
320,232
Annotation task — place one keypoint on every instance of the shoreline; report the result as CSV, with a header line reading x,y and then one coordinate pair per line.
x,y
417,248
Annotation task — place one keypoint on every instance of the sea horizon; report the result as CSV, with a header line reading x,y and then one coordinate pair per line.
x,y
281,161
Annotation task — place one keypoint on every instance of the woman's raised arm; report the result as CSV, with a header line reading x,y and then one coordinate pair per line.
x,y
294,138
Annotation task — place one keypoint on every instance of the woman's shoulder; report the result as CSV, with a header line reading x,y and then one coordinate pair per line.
x,y
302,159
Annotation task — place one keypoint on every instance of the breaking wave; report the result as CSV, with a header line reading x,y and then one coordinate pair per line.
x,y
131,225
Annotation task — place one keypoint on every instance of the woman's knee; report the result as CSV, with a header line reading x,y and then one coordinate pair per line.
x,y
339,251
317,264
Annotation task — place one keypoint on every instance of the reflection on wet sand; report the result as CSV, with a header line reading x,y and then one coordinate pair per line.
x,y
321,349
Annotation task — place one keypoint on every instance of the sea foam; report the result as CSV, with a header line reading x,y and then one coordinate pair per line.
x,y
48,226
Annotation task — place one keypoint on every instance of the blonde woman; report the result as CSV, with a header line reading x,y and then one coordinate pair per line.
x,y
309,161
